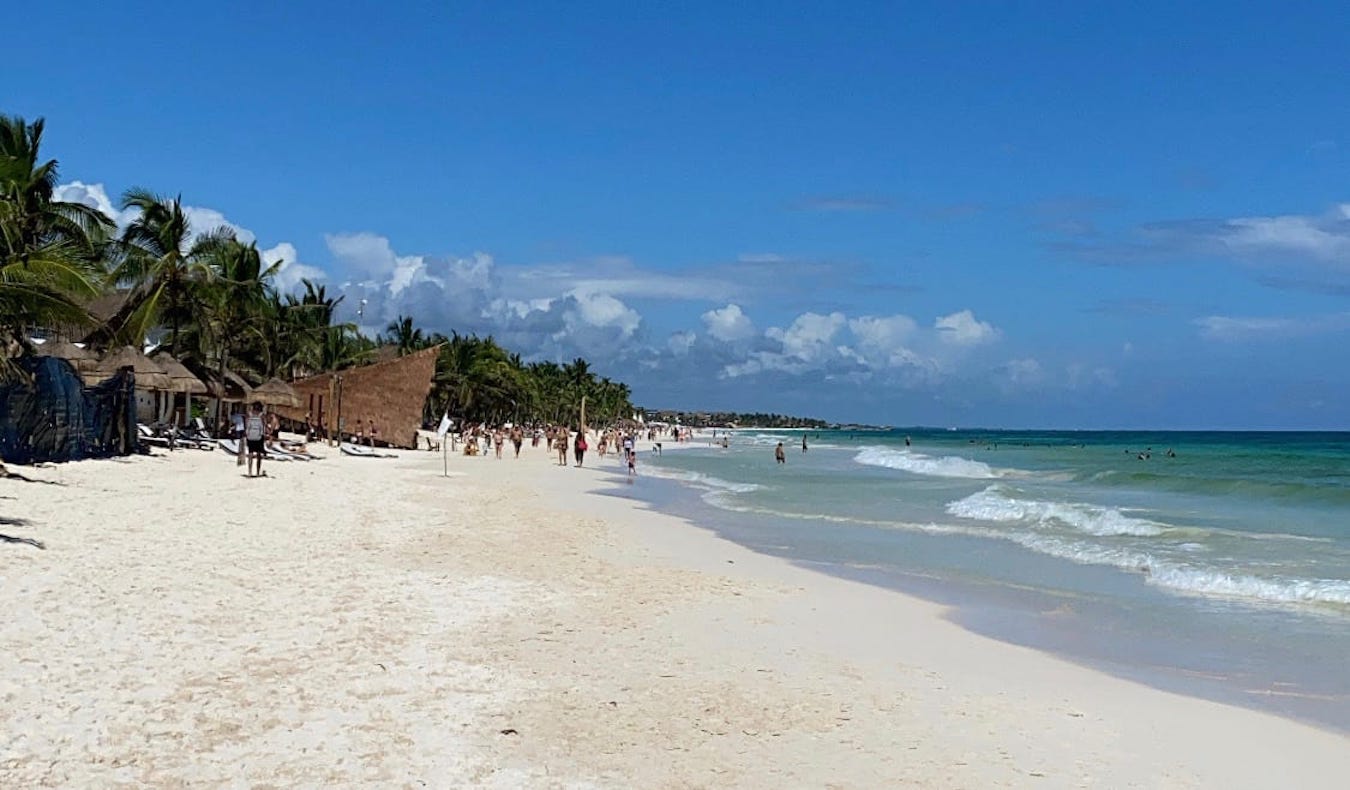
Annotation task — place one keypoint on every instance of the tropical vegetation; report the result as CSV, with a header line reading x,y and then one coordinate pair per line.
x,y
727,419
208,297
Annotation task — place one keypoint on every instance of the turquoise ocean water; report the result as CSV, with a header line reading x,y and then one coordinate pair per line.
x,y
1216,564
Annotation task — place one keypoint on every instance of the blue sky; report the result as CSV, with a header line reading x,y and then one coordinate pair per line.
x,y
1038,214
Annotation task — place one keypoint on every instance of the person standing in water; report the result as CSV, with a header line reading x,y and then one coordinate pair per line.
x,y
779,455
803,442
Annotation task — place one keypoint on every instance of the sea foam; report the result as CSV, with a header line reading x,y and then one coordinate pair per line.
x,y
919,464
1189,579
996,504
702,480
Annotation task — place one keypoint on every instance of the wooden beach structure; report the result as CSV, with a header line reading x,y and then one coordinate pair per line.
x,y
390,394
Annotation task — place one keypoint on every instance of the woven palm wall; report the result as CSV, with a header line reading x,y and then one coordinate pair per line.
x,y
391,394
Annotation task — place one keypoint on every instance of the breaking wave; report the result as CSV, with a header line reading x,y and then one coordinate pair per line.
x,y
995,504
919,464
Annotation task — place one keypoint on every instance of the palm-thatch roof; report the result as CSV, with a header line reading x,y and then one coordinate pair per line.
x,y
183,379
82,359
276,393
234,388
149,374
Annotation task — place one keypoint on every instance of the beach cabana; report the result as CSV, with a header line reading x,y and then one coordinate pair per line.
x,y
220,390
276,393
149,374
149,377
183,380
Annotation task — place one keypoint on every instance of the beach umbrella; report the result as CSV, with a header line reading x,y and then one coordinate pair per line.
x,y
82,359
275,393
149,374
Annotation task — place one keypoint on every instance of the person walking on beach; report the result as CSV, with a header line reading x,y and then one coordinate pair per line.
x,y
255,436
632,463
560,444
579,447
779,455
517,438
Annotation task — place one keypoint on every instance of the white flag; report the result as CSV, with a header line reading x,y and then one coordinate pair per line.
x,y
444,427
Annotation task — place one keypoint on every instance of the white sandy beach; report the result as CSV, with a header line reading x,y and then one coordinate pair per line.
x,y
368,622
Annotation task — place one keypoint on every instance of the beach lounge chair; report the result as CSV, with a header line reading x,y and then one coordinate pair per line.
x,y
300,451
145,434
363,452
189,437
230,446
281,454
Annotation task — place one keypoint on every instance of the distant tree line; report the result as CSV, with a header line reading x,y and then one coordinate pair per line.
x,y
730,419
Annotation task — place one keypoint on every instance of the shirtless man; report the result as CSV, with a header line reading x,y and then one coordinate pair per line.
x,y
779,455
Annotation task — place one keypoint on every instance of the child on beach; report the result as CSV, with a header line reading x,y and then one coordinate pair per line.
x,y
632,463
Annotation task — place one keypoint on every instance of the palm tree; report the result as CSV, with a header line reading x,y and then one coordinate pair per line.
x,y
51,251
232,299
407,337
161,261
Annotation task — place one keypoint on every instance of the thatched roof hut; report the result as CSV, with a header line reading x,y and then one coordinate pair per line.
x,y
82,359
184,380
233,390
149,374
276,393
390,394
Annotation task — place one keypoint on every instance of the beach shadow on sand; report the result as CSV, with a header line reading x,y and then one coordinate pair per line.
x,y
7,521
26,479
10,521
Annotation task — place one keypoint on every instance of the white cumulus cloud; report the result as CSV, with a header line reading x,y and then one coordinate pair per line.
x,y
291,271
93,196
729,324
603,310
964,329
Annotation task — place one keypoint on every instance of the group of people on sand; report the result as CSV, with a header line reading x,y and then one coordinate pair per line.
x,y
484,440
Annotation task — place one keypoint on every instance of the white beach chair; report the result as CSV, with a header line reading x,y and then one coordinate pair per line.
x,y
362,452
145,434
281,454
